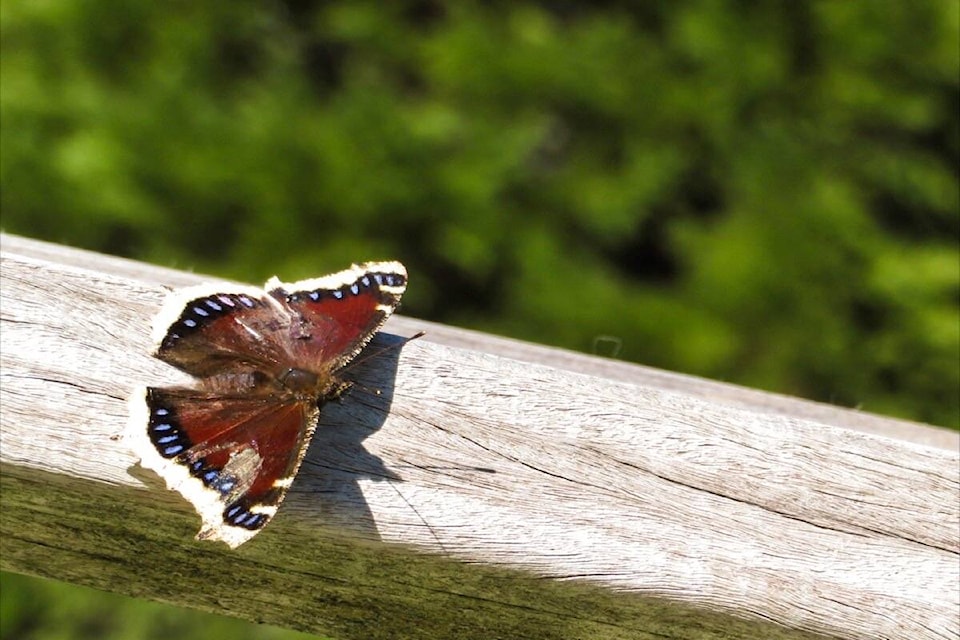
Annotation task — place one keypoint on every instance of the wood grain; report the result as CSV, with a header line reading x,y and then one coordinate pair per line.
x,y
472,486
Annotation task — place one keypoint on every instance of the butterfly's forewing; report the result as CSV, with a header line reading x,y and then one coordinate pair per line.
x,y
206,332
233,458
335,316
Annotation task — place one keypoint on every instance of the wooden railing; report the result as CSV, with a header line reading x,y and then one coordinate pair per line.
x,y
476,487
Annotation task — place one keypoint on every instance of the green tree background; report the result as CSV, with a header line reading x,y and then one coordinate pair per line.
x,y
766,193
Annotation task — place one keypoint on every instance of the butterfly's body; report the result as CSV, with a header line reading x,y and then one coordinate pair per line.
x,y
265,362
292,384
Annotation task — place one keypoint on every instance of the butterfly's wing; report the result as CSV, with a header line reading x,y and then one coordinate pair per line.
x,y
233,458
333,317
208,331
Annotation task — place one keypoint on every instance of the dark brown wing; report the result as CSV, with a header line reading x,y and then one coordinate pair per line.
x,y
335,316
233,458
209,331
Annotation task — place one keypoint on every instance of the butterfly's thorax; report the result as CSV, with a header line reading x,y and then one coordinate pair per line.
x,y
299,381
309,386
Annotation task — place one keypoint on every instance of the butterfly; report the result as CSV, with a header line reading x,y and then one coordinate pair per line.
x,y
265,362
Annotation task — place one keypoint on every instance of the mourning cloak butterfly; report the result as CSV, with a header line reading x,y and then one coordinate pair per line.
x,y
266,361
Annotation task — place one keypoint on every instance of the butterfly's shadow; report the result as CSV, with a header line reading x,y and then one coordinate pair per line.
x,y
327,491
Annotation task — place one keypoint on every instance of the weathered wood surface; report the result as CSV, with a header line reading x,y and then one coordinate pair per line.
x,y
545,494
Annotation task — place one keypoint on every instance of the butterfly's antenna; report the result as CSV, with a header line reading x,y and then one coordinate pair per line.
x,y
383,350
377,353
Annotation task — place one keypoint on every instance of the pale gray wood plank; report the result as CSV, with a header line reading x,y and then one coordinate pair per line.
x,y
492,487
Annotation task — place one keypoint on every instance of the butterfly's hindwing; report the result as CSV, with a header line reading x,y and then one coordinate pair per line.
x,y
232,458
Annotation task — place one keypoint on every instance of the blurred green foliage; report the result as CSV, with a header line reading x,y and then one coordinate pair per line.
x,y
35,609
766,193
